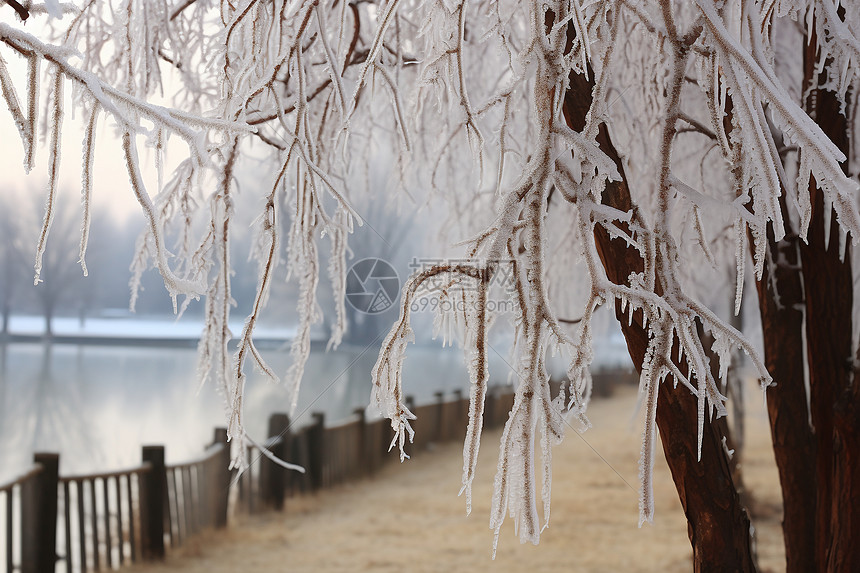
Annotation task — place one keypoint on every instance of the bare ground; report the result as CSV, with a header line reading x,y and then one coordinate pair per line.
x,y
409,518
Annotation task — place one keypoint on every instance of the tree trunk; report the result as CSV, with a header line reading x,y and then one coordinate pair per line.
x,y
49,317
829,289
844,550
793,440
718,526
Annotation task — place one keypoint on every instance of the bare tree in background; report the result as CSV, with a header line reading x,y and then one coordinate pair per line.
x,y
623,132
11,262
63,284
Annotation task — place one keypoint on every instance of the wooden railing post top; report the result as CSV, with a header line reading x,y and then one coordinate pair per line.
x,y
360,413
220,436
50,463
279,424
39,516
154,455
439,395
319,418
154,492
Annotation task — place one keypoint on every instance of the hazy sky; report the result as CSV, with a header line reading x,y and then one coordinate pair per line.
x,y
111,190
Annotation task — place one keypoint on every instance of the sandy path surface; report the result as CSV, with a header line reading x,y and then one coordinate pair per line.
x,y
409,518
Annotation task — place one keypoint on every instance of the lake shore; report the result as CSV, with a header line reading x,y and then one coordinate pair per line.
x,y
408,517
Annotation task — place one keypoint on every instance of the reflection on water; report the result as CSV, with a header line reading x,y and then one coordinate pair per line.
x,y
97,405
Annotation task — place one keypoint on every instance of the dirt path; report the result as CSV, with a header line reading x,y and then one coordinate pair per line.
x,y
409,518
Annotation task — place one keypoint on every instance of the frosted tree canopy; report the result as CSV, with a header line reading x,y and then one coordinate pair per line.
x,y
472,105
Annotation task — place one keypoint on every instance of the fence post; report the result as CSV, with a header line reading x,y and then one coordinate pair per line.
x,y
362,468
385,437
440,411
273,478
299,482
154,484
316,453
39,517
490,407
461,415
223,477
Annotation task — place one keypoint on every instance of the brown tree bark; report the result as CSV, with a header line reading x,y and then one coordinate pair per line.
x,y
844,550
718,526
829,289
793,441
781,302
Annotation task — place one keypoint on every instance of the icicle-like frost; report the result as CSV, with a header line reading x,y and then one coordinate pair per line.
x,y
375,48
700,237
513,486
334,72
87,185
837,43
337,275
11,97
304,262
275,67
53,171
33,66
268,253
552,434
740,259
822,156
387,386
479,379
174,284
649,387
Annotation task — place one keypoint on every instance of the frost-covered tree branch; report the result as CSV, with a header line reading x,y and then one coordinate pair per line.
x,y
467,100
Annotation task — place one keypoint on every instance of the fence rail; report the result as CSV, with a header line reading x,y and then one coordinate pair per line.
x,y
101,516
105,520
18,495
197,492
351,449
98,521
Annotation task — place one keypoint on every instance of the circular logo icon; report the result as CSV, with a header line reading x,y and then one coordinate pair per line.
x,y
372,286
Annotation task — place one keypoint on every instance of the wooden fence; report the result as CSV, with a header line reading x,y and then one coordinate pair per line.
x,y
102,521
356,447
351,449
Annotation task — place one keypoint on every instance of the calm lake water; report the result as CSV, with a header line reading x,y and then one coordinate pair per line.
x,y
97,405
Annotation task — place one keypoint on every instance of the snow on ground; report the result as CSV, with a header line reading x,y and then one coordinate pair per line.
x,y
409,518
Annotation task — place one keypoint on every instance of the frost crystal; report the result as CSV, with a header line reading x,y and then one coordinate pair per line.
x,y
547,128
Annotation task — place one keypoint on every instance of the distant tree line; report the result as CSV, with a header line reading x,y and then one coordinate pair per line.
x,y
63,290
